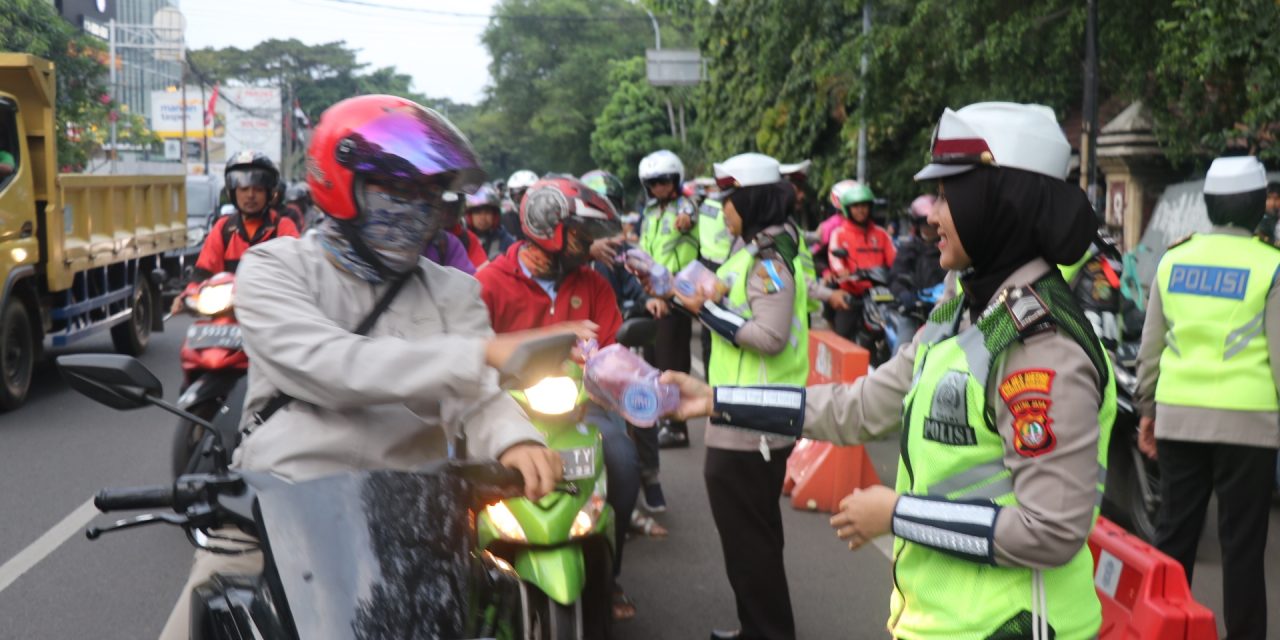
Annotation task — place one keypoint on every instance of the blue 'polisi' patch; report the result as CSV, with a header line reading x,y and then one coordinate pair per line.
x,y
1219,282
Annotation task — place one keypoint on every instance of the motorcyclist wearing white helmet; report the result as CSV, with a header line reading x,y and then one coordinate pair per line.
x,y
517,184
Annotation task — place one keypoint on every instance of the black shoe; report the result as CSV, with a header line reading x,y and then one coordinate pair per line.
x,y
673,437
726,634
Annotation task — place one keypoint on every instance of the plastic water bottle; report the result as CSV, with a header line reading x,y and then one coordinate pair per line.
x,y
623,382
659,277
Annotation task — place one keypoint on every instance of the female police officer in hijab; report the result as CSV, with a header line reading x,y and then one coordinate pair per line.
x,y
1005,399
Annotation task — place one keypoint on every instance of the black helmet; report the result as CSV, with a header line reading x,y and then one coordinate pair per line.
x,y
607,185
251,169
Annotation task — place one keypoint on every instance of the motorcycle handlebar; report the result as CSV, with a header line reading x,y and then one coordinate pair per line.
x,y
133,498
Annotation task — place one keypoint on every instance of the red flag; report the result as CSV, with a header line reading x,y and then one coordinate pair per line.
x,y
210,110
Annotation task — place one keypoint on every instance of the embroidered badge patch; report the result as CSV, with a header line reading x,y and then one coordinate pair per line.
x,y
1032,427
1026,381
575,302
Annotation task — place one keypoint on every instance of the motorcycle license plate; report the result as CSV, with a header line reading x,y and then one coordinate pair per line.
x,y
214,336
579,463
881,294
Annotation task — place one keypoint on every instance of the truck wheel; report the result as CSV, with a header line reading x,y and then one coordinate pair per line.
x,y
17,354
131,337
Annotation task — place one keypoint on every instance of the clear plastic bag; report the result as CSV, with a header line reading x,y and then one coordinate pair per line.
x,y
621,381
698,278
642,264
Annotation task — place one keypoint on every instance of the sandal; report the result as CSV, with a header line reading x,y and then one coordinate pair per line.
x,y
624,608
647,526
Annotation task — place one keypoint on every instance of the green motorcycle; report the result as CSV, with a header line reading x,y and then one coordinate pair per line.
x,y
562,546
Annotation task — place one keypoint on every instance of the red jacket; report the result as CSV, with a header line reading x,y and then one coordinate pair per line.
x,y
217,256
869,247
475,249
516,302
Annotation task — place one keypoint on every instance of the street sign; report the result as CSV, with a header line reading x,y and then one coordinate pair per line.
x,y
673,67
169,24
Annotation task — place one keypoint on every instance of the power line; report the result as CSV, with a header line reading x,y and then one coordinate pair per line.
x,y
488,16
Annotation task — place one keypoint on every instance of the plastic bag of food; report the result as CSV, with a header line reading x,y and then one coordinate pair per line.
x,y
698,278
621,381
642,264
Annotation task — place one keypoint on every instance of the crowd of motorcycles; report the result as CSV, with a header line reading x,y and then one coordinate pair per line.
x,y
472,558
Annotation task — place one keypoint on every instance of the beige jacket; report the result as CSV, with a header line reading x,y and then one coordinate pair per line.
x,y
1199,424
1056,490
376,402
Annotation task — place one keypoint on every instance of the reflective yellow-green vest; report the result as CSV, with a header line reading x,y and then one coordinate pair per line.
x,y
951,449
732,365
714,239
810,275
1214,291
659,237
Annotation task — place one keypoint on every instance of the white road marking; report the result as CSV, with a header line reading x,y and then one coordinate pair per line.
x,y
46,544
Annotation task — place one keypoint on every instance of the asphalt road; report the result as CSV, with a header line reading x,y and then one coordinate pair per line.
x,y
57,451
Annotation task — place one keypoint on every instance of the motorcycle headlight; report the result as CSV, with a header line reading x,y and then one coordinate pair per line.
x,y
505,522
553,396
215,299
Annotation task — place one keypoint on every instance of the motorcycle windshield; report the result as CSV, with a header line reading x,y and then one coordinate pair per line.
x,y
371,555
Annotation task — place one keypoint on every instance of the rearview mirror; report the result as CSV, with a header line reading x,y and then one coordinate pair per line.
x,y
120,382
536,359
637,332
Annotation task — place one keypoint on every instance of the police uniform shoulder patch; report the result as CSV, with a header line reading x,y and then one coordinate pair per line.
x,y
1026,308
1182,240
1032,427
710,209
1025,381
770,278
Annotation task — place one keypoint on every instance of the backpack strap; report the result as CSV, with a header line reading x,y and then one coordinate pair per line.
x,y
281,399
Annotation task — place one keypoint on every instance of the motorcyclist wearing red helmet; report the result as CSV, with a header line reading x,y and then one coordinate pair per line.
x,y
251,182
323,399
548,278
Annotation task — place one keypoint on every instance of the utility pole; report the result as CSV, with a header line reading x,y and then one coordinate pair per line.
x,y
1089,123
657,44
115,91
204,129
184,120
862,99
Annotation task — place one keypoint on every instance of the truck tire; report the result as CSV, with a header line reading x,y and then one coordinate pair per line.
x,y
131,337
17,354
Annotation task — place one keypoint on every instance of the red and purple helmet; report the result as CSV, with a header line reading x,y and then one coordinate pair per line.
x,y
390,139
921,206
557,204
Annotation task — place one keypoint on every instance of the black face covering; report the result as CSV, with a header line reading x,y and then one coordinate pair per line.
x,y
1008,217
763,206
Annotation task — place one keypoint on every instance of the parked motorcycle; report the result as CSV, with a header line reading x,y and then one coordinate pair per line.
x,y
562,547
213,364
1132,496
906,321
353,555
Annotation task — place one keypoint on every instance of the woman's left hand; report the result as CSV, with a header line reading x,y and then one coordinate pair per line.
x,y
864,515
691,303
684,222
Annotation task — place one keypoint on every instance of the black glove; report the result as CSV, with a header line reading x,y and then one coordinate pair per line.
x,y
907,300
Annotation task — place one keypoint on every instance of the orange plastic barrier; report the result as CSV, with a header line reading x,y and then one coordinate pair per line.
x,y
1144,593
820,474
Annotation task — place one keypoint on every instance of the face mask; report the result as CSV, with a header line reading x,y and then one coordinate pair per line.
x,y
396,228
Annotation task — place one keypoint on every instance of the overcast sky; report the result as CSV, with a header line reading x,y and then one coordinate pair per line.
x,y
442,52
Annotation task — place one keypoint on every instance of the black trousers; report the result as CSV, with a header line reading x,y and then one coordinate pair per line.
x,y
1241,477
744,490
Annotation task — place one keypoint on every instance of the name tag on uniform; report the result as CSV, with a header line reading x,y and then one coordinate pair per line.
x,y
1218,282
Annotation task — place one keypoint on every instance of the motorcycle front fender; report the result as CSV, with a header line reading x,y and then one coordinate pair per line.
x,y
560,572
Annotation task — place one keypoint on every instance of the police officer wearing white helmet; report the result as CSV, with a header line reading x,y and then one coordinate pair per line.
x,y
1207,373
669,234
1005,400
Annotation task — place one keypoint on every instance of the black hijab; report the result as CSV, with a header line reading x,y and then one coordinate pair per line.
x,y
1008,217
763,206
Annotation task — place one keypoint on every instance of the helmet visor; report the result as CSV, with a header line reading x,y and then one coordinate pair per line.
x,y
239,178
415,146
